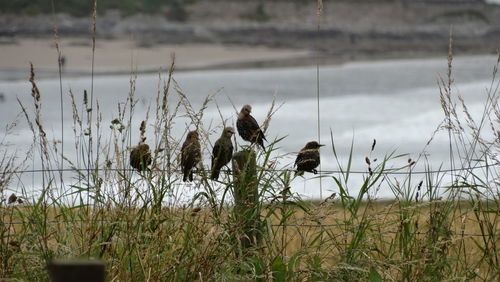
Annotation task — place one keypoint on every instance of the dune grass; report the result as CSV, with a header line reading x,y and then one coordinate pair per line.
x,y
442,225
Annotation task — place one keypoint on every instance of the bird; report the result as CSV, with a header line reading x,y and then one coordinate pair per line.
x,y
308,158
140,157
190,155
222,152
248,128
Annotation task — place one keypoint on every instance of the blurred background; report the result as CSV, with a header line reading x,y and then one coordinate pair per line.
x,y
349,30
372,63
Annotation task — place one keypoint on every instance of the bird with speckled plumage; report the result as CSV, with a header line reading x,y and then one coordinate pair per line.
x,y
222,152
190,155
248,128
308,158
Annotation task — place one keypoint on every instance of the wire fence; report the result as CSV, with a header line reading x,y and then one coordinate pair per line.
x,y
286,225
394,171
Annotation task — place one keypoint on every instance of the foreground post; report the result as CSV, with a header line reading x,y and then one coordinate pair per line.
x,y
76,270
246,197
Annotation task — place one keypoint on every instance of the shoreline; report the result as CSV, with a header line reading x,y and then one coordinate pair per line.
x,y
227,35
109,56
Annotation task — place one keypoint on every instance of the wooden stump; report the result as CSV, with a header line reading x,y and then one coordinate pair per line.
x,y
76,270
246,197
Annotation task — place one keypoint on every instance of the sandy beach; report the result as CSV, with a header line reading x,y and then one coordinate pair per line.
x,y
222,34
122,55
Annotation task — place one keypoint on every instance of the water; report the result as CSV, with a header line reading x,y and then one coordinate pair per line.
x,y
395,102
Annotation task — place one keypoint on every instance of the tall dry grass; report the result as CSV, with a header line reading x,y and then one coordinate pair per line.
x,y
442,226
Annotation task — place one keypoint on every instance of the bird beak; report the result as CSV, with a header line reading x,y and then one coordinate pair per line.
x,y
321,145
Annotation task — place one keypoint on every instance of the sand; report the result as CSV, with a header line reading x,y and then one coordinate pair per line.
x,y
121,55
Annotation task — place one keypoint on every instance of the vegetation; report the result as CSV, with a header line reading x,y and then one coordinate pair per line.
x,y
135,223
441,225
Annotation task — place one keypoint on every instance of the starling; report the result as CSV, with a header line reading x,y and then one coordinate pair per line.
x,y
140,157
248,128
308,158
190,155
222,152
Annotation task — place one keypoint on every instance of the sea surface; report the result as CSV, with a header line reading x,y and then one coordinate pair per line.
x,y
395,102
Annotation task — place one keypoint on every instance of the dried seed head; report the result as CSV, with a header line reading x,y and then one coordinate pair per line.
x,y
367,160
373,144
370,171
12,199
331,197
85,97
285,190
15,244
143,127
140,157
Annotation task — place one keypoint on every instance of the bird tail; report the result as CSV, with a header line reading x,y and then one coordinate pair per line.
x,y
261,143
215,174
185,173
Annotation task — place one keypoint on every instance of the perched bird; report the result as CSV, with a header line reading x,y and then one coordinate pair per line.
x,y
190,155
222,152
140,157
248,128
308,158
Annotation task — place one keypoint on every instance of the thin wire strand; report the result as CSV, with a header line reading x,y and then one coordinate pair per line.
x,y
273,225
318,17
59,64
320,172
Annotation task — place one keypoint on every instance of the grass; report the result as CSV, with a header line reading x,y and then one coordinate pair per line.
x,y
442,226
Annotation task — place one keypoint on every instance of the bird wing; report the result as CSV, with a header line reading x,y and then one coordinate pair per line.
x,y
184,153
307,160
216,151
257,128
190,153
249,128
230,148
